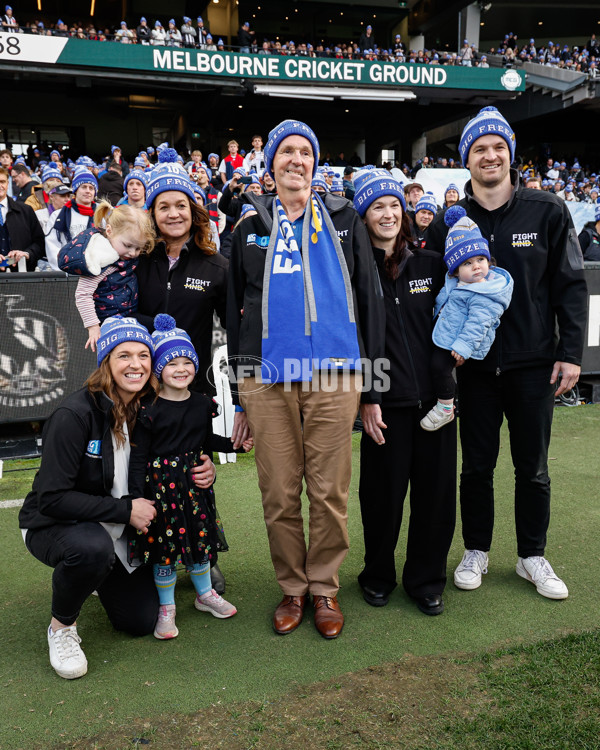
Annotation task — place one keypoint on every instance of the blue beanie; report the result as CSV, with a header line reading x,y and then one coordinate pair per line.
x,y
337,185
464,239
282,131
115,331
378,182
597,213
51,172
320,181
245,208
135,174
81,177
168,175
140,162
54,151
452,186
426,203
114,148
489,121
210,156
254,180
170,342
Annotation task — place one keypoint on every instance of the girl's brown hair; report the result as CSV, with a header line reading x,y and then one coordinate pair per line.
x,y
102,380
200,227
123,218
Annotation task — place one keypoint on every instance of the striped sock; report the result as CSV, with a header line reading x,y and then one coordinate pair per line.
x,y
201,577
165,579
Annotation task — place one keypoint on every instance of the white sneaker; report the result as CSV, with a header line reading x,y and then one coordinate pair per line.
x,y
436,418
539,571
473,565
215,604
66,655
165,625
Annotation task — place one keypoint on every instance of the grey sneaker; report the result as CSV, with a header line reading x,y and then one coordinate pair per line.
x,y
165,625
473,565
538,571
215,604
436,418
66,656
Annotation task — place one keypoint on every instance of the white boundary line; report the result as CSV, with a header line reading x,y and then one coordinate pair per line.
x,y
11,503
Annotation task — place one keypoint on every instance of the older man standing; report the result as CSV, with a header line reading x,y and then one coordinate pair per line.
x,y
303,301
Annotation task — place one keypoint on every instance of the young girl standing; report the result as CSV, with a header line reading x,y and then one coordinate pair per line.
x,y
170,438
104,256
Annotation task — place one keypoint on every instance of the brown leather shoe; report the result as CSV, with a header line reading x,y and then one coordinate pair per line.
x,y
289,614
329,619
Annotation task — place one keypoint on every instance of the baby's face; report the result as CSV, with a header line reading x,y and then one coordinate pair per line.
x,y
474,270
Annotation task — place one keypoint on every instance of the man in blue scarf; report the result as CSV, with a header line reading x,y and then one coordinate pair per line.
x,y
304,325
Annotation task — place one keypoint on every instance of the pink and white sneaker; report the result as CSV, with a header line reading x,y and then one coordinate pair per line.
x,y
215,604
165,625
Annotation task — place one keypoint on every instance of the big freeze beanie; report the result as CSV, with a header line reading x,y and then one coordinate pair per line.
x,y
168,175
115,331
374,184
464,240
489,121
284,130
170,342
83,176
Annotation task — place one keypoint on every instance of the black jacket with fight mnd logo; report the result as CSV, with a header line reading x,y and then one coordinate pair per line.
x,y
532,236
247,269
190,291
76,475
409,302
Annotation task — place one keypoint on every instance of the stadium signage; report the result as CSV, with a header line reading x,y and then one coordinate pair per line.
x,y
17,48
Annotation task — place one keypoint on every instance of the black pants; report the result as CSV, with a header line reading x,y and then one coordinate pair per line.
x,y
426,460
442,365
526,397
83,558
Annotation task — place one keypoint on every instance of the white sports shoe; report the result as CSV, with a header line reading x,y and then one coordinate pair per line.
x,y
539,571
436,418
165,625
66,656
215,604
473,565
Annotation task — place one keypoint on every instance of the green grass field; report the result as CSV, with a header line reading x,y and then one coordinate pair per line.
x,y
482,674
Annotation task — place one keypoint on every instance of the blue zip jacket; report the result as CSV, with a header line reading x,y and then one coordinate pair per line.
x,y
468,315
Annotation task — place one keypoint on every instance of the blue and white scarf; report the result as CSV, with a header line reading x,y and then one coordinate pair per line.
x,y
307,309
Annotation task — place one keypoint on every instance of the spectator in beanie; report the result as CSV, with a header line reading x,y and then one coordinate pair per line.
x,y
20,233
143,32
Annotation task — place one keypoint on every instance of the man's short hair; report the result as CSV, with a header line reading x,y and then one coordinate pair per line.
x,y
533,179
20,169
254,137
116,166
232,141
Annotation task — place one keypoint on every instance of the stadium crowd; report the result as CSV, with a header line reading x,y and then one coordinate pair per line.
x,y
45,182
510,52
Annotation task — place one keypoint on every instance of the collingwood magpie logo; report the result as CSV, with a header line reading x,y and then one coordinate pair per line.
x,y
33,355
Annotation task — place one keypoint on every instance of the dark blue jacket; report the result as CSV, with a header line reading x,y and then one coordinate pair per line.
x,y
117,294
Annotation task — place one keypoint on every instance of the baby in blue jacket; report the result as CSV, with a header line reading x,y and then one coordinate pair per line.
x,y
468,309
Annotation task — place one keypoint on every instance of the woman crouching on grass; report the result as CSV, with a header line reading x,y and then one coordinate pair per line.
x,y
75,517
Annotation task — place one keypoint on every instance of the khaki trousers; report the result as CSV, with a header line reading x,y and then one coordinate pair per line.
x,y
303,431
